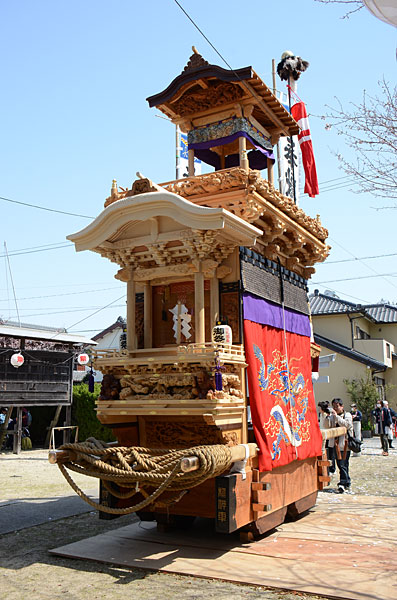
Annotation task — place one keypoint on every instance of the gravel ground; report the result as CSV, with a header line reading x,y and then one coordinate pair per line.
x,y
27,568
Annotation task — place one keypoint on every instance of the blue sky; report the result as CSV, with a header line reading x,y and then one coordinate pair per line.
x,y
75,77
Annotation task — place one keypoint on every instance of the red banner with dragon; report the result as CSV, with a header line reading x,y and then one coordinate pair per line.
x,y
281,395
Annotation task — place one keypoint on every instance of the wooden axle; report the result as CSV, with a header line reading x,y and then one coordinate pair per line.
x,y
192,463
333,432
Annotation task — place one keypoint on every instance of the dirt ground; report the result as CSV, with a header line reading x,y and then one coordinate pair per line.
x,y
28,569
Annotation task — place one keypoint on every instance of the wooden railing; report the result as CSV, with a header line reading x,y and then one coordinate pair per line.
x,y
188,353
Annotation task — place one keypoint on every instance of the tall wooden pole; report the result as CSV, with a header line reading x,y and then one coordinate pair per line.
x,y
177,152
278,143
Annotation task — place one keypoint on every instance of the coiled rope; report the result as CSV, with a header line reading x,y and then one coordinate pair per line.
x,y
141,468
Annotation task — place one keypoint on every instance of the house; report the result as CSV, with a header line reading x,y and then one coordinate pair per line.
x,y
113,337
363,337
36,370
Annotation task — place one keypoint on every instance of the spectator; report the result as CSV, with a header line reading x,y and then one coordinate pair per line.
x,y
383,422
357,418
390,427
338,446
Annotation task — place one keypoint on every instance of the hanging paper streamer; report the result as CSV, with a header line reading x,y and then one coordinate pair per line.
x,y
218,375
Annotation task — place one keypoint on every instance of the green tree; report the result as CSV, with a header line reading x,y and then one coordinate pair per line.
x,y
364,393
84,415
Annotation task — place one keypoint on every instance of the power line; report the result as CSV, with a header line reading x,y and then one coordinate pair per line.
x,y
97,311
343,293
32,251
62,312
355,278
62,212
204,36
368,267
333,262
68,294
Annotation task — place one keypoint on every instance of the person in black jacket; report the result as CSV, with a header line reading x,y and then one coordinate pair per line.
x,y
390,428
357,418
383,421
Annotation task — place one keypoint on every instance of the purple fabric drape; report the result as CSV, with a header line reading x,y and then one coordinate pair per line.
x,y
267,313
257,158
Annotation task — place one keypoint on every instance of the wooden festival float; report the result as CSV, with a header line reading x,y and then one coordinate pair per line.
x,y
216,269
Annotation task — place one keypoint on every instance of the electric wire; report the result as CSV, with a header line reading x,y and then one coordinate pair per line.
x,y
357,278
62,212
343,294
12,282
69,293
62,312
333,262
367,266
39,249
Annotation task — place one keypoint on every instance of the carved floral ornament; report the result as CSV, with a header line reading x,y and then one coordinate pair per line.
x,y
237,178
226,180
204,248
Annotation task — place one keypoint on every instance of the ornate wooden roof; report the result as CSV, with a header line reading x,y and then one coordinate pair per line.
x,y
202,88
161,234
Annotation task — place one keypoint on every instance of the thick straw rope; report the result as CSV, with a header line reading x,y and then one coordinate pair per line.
x,y
140,468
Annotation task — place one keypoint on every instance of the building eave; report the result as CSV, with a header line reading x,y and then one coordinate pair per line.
x,y
349,352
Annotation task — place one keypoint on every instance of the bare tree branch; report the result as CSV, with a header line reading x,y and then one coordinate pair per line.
x,y
370,130
357,3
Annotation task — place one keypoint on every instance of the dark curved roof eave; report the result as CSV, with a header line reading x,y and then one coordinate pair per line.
x,y
199,73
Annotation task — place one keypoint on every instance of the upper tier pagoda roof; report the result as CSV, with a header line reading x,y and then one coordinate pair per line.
x,y
202,86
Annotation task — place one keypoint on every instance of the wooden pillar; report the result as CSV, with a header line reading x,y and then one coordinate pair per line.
x,y
131,336
190,163
242,149
67,422
147,314
199,312
214,300
17,439
270,172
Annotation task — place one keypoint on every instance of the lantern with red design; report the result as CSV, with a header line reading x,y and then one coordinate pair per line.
x,y
17,360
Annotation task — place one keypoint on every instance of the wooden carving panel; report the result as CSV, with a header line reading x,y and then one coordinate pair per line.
x,y
171,434
139,324
202,99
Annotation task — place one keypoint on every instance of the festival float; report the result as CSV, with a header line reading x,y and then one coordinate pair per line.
x,y
211,402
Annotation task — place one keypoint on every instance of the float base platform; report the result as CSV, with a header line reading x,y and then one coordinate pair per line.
x,y
346,547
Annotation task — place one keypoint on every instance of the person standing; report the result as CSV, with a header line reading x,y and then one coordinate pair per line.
x,y
383,421
357,418
389,428
338,417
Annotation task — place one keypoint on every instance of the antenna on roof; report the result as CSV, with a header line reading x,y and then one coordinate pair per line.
x,y
12,282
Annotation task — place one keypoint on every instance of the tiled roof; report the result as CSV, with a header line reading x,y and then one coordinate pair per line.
x,y
349,352
382,313
322,304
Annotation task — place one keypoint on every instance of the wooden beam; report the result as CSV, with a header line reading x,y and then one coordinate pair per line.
x,y
265,108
